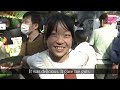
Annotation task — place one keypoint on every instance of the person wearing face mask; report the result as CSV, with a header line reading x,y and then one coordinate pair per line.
x,y
35,43
25,29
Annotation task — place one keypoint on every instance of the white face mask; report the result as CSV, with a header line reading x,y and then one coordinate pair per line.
x,y
25,28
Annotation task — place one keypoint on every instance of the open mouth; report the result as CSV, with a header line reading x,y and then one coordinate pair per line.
x,y
59,48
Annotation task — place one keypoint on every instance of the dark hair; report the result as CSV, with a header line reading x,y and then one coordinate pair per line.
x,y
5,20
81,35
35,18
53,21
81,24
76,23
104,17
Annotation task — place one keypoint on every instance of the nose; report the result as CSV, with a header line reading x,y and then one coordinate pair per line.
x,y
60,40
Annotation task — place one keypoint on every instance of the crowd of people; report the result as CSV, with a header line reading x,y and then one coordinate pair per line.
x,y
64,45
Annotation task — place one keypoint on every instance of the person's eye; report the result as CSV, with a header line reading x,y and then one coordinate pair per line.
x,y
67,35
27,22
53,34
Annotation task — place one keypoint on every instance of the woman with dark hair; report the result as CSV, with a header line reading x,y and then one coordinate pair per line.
x,y
59,35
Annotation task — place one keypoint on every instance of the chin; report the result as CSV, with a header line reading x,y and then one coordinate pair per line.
x,y
59,54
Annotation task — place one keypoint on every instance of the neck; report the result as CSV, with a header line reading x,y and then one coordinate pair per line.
x,y
33,35
58,59
106,25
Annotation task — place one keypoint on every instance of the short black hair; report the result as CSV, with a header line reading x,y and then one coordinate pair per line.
x,y
81,35
53,21
104,17
81,24
35,17
76,23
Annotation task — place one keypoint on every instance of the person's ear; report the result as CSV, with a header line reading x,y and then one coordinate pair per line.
x,y
35,26
102,23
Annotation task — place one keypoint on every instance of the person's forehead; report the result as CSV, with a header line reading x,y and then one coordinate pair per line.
x,y
27,18
62,26
62,30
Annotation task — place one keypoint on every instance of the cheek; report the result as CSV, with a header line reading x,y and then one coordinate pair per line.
x,y
30,28
69,42
49,42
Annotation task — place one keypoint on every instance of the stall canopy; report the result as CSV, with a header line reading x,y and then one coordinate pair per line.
x,y
12,14
19,14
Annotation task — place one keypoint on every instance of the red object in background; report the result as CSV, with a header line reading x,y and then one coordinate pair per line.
x,y
70,75
5,40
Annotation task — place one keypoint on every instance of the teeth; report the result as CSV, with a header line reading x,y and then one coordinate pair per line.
x,y
59,47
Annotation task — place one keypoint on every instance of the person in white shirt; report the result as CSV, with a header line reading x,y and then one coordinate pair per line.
x,y
84,46
59,35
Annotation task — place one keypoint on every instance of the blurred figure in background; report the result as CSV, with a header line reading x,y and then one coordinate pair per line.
x,y
101,40
84,47
7,32
30,26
